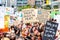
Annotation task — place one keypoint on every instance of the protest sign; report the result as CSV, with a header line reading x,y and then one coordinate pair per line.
x,y
19,15
6,23
43,16
57,17
4,20
9,11
29,15
50,30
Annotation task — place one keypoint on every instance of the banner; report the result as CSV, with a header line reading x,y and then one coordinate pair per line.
x,y
6,23
50,30
57,17
29,15
47,2
9,11
4,20
43,15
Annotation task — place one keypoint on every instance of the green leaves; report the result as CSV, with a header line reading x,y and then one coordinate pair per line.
x,y
23,7
53,13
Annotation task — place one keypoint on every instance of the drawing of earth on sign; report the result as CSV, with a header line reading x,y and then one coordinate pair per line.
x,y
43,17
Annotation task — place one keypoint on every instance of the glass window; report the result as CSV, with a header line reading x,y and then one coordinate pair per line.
x,y
56,6
54,0
19,0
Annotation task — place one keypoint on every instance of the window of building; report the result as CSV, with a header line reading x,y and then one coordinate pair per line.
x,y
37,2
55,6
24,3
19,0
54,0
19,3
47,7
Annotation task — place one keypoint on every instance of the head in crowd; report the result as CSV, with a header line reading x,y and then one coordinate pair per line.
x,y
1,35
19,26
36,24
53,20
28,25
12,27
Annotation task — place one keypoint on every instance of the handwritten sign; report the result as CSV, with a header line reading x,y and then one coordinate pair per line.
x,y
9,10
29,15
43,16
50,31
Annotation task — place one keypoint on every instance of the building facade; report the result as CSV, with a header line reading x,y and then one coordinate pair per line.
x,y
31,2
21,2
38,3
13,3
52,3
8,3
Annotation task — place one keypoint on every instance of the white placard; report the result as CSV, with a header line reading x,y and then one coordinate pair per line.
x,y
57,17
29,15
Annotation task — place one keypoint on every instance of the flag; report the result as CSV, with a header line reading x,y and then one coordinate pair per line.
x,y
47,2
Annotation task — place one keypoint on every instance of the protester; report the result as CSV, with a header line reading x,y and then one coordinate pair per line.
x,y
27,32
3,37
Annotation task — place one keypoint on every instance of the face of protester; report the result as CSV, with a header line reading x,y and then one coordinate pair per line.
x,y
29,26
35,32
19,26
32,38
12,28
36,24
1,35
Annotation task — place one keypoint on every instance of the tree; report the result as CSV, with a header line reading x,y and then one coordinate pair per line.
x,y
35,6
23,7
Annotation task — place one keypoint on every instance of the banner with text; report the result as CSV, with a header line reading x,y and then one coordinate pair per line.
x,y
50,30
29,15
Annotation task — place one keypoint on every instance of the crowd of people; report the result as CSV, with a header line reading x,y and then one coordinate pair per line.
x,y
29,32
26,31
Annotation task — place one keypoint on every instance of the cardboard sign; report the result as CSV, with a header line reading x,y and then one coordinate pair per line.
x,y
29,15
43,16
50,30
